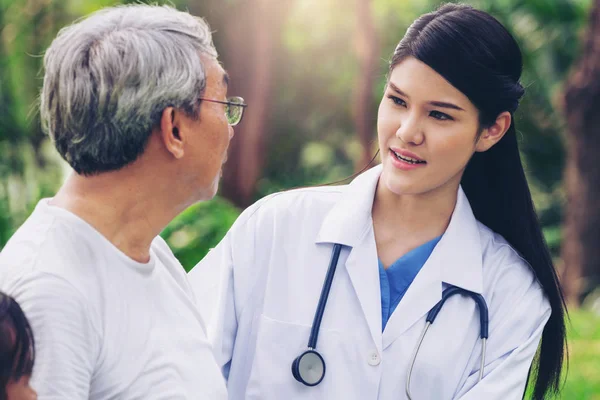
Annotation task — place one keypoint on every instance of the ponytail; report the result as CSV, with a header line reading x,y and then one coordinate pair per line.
x,y
495,184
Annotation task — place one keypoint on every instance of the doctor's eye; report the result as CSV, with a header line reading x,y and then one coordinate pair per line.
x,y
397,100
440,116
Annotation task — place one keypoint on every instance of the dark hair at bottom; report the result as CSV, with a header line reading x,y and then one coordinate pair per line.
x,y
17,347
495,184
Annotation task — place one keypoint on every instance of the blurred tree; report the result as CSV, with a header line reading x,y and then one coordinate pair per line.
x,y
367,47
251,39
581,249
313,136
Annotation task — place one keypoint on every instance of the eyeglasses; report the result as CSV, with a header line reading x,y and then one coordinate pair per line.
x,y
234,108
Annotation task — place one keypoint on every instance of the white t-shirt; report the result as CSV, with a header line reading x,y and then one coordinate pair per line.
x,y
106,326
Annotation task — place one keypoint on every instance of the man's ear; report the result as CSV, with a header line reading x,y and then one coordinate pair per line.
x,y
492,135
170,132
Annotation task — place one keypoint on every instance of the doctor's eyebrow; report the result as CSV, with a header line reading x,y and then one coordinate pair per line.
x,y
440,104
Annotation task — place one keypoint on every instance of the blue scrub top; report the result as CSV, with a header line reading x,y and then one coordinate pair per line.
x,y
395,280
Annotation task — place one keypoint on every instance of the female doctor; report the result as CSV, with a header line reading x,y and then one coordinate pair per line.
x,y
449,207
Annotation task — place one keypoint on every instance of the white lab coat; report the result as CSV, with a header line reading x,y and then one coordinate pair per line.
x,y
259,288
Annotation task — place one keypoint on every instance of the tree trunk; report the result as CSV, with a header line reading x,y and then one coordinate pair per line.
x,y
367,49
581,244
252,36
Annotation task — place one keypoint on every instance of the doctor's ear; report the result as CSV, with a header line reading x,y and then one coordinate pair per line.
x,y
492,135
170,132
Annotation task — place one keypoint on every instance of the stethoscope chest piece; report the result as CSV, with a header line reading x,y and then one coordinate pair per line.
x,y
309,368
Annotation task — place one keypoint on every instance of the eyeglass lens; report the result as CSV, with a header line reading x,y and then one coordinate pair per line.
x,y
234,111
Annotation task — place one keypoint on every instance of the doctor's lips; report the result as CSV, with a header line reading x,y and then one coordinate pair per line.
x,y
407,156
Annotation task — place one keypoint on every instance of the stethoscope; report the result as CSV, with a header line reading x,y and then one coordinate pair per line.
x,y
309,367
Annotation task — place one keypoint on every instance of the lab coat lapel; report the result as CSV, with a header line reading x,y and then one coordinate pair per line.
x,y
349,219
456,260
424,292
349,223
461,256
363,270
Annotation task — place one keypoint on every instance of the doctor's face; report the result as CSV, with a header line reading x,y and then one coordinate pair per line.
x,y
427,131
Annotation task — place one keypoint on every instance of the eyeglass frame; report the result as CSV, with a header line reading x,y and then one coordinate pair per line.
x,y
229,103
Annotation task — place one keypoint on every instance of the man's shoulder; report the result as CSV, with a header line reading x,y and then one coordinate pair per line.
x,y
32,245
46,245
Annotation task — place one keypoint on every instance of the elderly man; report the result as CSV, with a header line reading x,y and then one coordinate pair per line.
x,y
135,101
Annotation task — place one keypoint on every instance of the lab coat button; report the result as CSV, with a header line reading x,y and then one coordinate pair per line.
x,y
374,358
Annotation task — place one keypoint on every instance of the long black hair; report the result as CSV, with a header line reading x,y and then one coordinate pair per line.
x,y
478,56
17,347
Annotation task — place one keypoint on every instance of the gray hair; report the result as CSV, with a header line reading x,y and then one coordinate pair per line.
x,y
109,76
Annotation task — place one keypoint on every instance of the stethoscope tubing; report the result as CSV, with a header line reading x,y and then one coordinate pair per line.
x,y
316,325
310,359
433,313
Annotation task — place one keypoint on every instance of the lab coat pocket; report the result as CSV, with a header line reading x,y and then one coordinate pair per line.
x,y
278,344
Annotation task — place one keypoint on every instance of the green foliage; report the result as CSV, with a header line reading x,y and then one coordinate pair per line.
x,y
582,378
198,229
27,171
553,236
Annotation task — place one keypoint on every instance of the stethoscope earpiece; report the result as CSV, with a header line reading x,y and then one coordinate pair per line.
x,y
309,368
